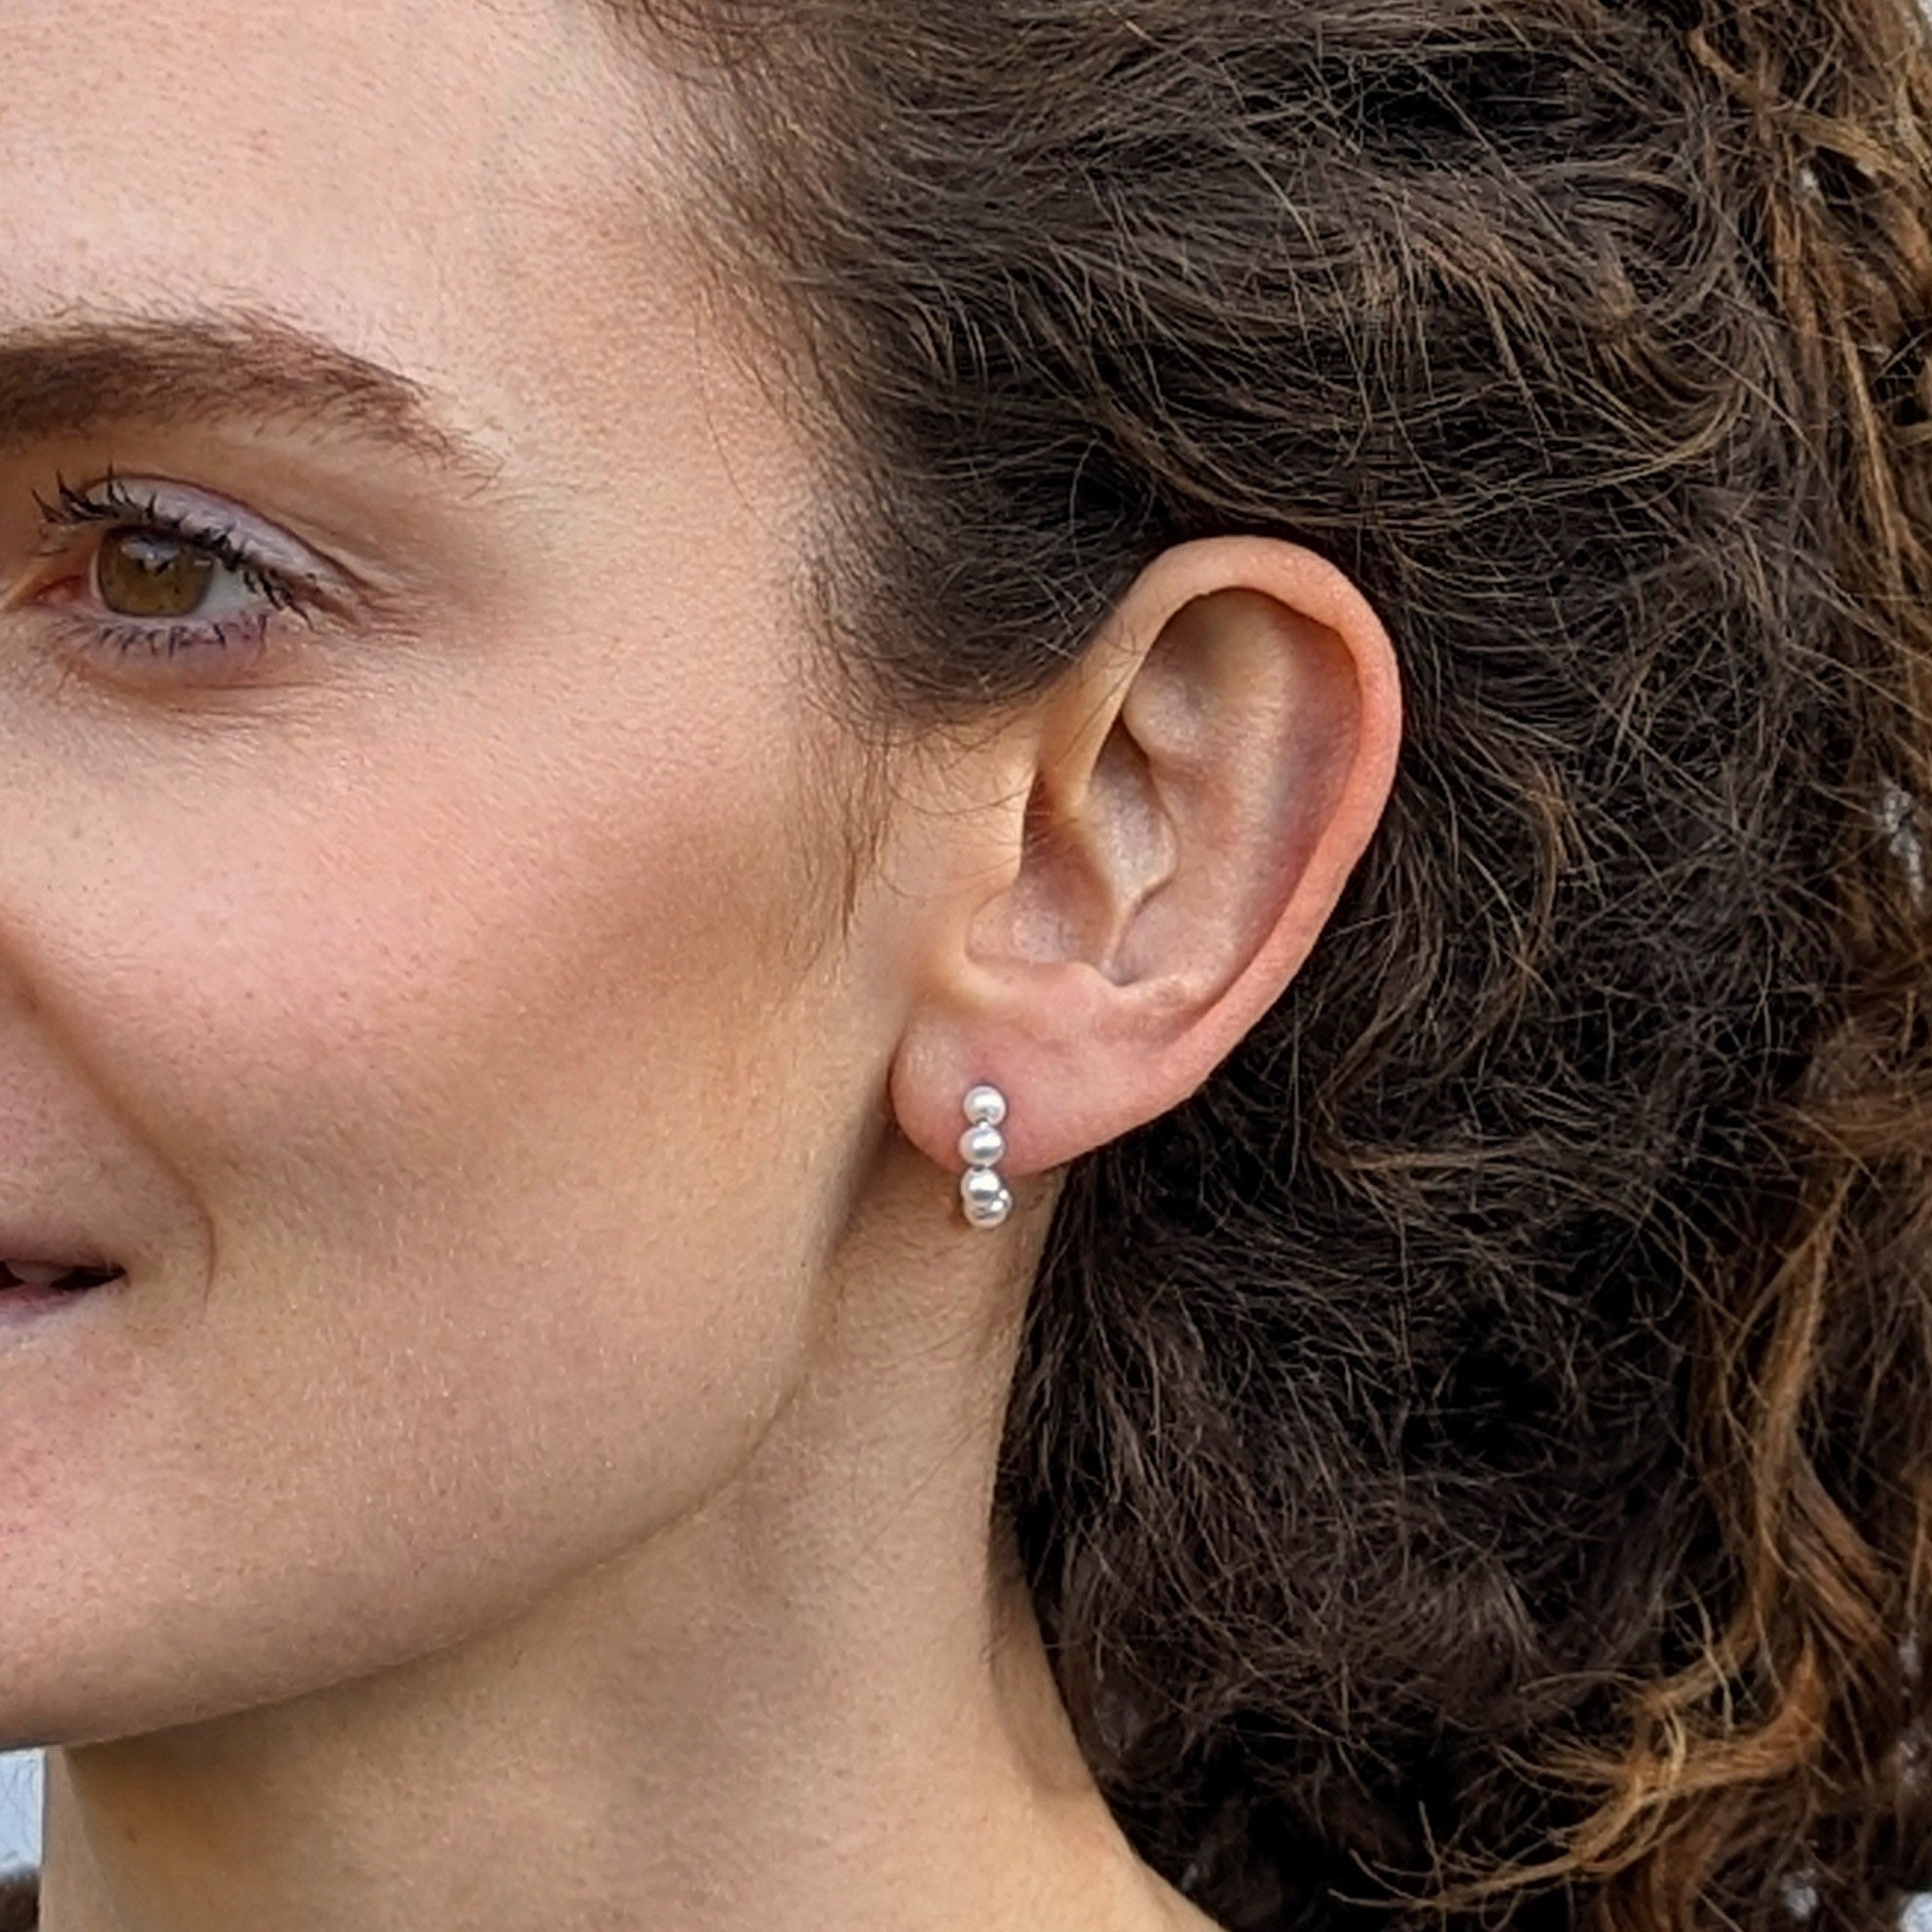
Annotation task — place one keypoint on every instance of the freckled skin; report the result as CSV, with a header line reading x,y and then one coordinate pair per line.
x,y
453,1037
408,990
537,1471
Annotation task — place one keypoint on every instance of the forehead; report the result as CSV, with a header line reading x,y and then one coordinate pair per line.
x,y
387,170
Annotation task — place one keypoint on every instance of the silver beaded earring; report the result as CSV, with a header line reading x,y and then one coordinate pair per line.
x,y
982,1147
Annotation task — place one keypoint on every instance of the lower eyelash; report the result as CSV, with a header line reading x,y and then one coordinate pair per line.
x,y
244,636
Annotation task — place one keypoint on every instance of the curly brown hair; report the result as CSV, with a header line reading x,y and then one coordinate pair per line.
x,y
1473,1458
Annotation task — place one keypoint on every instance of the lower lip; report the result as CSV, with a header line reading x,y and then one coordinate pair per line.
x,y
28,1308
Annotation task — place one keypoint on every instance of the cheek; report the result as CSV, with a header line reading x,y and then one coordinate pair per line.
x,y
476,1051
360,953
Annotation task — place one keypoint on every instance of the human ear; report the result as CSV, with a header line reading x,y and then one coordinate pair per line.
x,y
1170,827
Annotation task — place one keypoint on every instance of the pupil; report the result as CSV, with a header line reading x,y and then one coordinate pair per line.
x,y
140,574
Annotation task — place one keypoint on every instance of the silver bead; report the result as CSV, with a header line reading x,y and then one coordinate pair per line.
x,y
984,1195
981,1188
989,1214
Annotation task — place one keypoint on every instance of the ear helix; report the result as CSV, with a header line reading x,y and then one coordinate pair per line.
x,y
983,1193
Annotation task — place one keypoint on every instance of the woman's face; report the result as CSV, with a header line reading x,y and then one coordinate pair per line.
x,y
419,952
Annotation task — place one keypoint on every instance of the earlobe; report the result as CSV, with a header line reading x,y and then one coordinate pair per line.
x,y
1202,784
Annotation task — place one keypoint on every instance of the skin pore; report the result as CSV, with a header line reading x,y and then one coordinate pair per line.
x,y
536,1471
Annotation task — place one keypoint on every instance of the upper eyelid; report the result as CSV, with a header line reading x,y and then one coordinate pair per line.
x,y
200,512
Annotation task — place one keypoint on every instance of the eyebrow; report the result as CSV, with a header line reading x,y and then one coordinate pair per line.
x,y
74,378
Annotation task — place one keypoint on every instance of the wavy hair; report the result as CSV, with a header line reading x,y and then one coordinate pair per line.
x,y
1471,1460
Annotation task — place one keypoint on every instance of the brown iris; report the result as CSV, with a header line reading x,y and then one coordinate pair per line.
x,y
143,574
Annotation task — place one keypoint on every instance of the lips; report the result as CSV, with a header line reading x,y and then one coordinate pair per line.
x,y
40,1296
59,1277
48,1255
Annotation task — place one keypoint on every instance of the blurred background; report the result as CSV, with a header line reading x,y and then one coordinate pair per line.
x,y
20,1809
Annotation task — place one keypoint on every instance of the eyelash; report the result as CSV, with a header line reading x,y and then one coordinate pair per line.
x,y
114,508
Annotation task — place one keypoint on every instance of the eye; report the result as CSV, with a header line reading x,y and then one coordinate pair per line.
x,y
165,570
